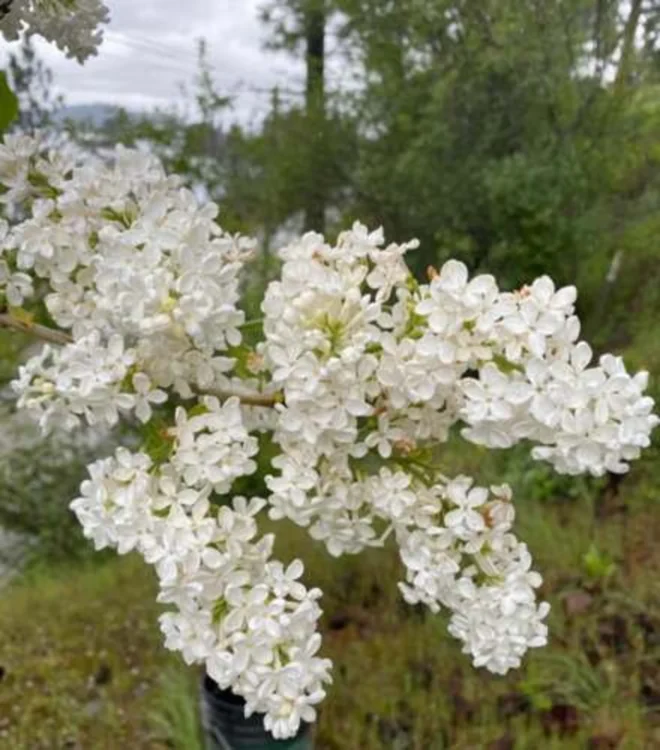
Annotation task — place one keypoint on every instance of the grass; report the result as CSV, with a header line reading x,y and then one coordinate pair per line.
x,y
80,657
83,666
175,716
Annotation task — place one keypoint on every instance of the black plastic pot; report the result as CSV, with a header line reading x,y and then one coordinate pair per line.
x,y
226,728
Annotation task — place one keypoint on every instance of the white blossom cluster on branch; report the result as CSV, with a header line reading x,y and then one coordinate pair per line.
x,y
358,379
72,25
247,617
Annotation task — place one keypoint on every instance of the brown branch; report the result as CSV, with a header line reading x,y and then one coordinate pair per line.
x,y
249,399
62,338
51,335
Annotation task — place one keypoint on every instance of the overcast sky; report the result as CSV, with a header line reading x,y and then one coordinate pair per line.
x,y
150,49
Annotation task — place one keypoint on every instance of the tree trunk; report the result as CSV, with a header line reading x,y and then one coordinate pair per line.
x,y
315,200
628,45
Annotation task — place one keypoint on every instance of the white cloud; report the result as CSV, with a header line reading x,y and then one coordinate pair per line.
x,y
150,50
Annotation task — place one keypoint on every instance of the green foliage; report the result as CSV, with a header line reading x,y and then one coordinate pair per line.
x,y
156,441
8,103
38,479
598,565
485,130
32,83
27,101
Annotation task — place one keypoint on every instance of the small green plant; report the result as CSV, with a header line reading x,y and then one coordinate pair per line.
x,y
597,565
176,715
570,679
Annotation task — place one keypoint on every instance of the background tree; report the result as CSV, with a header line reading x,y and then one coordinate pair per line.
x,y
32,83
300,27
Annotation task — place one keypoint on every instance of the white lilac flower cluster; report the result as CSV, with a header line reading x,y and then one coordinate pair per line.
x,y
245,616
141,274
73,25
371,362
375,369
459,553
359,377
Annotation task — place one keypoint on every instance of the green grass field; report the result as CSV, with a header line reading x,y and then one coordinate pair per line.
x,y
82,664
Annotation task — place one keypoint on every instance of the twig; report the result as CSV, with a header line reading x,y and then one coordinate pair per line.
x,y
35,329
249,399
62,338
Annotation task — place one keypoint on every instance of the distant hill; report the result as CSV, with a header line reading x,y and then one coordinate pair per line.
x,y
90,114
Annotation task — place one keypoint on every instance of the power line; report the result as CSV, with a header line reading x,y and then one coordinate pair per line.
x,y
165,58
152,45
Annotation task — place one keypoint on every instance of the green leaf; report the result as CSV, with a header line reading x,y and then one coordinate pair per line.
x,y
8,103
598,565
503,364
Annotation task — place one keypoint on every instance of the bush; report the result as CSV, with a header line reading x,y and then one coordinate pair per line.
x,y
38,479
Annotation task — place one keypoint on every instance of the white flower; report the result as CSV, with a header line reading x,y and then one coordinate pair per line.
x,y
464,521
213,447
145,395
114,506
17,286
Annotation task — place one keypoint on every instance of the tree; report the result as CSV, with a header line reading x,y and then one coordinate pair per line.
x,y
302,24
487,127
32,83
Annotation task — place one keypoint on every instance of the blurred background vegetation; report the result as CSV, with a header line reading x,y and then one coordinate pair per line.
x,y
521,136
